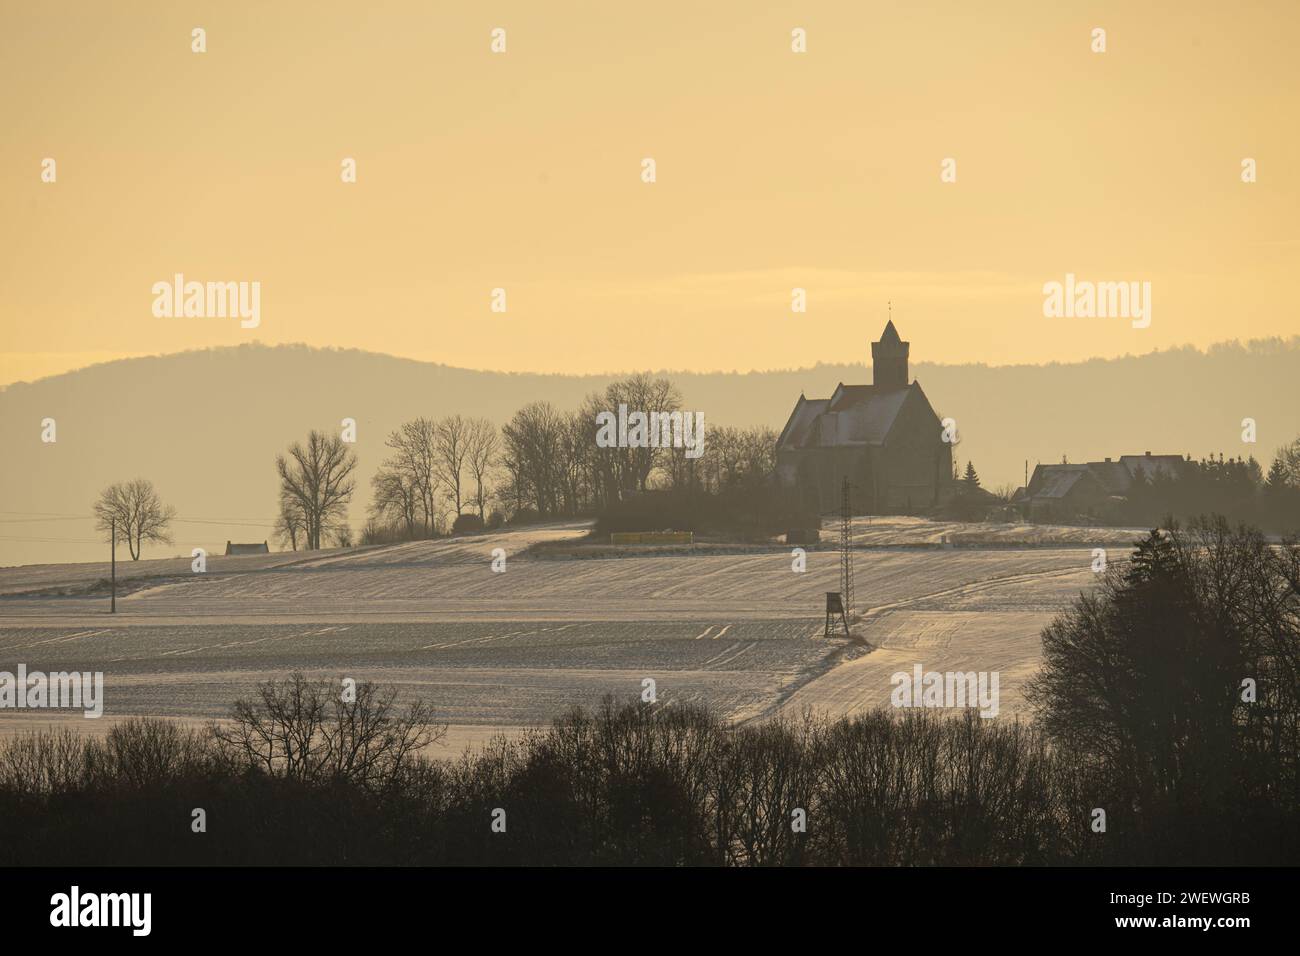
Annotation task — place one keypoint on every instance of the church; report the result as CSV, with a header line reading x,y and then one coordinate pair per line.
x,y
885,437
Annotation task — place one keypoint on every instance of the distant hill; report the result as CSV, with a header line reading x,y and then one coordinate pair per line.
x,y
206,426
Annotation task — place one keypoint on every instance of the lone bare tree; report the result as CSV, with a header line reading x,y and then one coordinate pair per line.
x,y
134,512
317,478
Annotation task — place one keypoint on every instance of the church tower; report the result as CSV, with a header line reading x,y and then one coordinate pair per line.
x,y
889,359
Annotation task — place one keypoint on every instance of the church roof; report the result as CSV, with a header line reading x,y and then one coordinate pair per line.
x,y
803,417
882,407
846,395
853,415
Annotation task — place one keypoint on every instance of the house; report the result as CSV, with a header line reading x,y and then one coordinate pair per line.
x,y
884,437
232,548
1067,491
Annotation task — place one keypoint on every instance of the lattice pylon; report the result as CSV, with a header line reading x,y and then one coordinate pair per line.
x,y
846,547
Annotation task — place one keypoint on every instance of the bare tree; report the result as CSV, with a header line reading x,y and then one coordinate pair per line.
x,y
606,465
513,490
397,500
725,450
318,478
414,458
533,439
483,445
641,392
576,449
307,731
621,470
451,447
134,509
758,453
290,524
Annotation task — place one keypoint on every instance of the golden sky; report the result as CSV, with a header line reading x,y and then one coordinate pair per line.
x,y
522,170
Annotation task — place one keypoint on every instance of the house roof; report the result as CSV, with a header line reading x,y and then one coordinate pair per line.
x,y
1057,481
1171,465
1113,477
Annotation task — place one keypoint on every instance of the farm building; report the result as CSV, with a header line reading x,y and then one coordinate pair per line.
x,y
255,548
1065,491
885,437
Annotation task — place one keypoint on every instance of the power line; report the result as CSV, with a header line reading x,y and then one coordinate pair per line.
x,y
40,516
57,516
30,520
225,521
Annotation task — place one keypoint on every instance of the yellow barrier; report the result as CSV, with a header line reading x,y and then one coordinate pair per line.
x,y
652,537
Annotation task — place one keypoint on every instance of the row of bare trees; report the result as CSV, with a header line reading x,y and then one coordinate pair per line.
x,y
554,466
735,456
434,465
543,461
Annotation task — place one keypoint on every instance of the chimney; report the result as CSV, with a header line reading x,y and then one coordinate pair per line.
x,y
1108,461
1148,454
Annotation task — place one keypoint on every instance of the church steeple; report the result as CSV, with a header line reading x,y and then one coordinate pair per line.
x,y
889,359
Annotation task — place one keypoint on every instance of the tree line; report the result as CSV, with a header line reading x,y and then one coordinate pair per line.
x,y
1235,487
463,473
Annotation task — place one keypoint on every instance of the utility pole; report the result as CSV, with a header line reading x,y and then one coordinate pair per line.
x,y
112,609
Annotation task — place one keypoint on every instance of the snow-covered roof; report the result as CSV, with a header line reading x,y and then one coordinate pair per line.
x,y
853,415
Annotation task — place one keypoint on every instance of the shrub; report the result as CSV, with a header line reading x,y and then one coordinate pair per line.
x,y
467,522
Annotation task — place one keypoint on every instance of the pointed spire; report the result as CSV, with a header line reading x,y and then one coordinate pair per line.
x,y
889,359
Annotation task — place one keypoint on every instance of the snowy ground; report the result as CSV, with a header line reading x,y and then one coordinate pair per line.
x,y
741,632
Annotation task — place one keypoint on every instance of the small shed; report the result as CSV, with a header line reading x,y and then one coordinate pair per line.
x,y
233,548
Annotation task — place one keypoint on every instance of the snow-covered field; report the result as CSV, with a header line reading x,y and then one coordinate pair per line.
x,y
500,650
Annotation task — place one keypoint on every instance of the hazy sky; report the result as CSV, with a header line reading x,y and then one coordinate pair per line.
x,y
522,170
